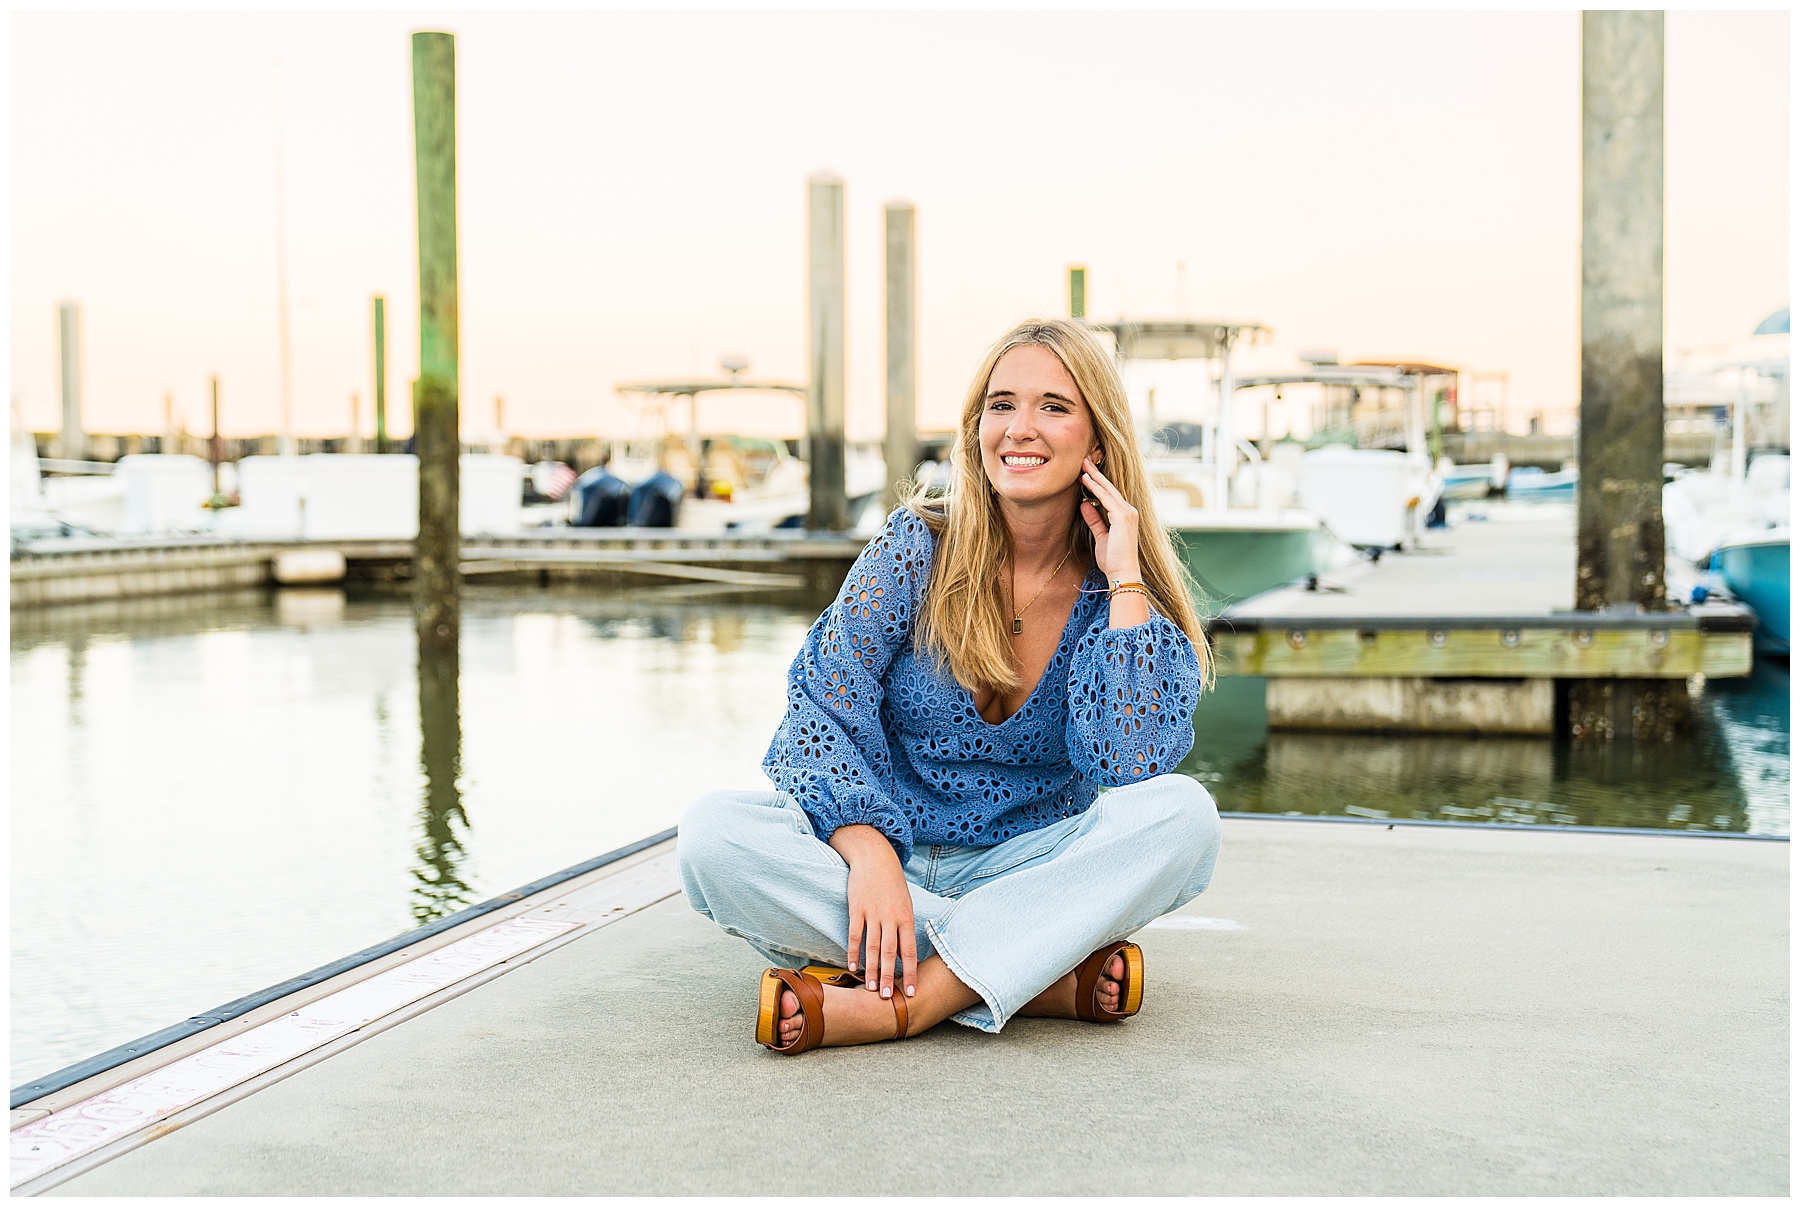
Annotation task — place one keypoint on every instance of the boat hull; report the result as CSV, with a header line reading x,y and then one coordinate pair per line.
x,y
1530,485
1757,573
1232,564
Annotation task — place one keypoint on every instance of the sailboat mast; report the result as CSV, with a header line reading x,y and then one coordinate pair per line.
x,y
286,447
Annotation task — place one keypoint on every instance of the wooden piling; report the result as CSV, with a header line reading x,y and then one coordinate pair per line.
x,y
216,448
381,436
436,581
1619,522
829,510
71,442
901,448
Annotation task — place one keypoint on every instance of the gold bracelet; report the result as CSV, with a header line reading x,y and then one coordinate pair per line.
x,y
1118,586
1130,590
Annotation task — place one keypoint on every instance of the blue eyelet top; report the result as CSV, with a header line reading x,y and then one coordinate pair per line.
x,y
876,735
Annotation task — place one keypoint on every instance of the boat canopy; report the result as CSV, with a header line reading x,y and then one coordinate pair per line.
x,y
1414,367
1177,339
690,388
1330,375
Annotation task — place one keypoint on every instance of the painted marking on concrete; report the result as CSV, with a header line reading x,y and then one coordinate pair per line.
x,y
1193,922
81,1143
77,1130
621,893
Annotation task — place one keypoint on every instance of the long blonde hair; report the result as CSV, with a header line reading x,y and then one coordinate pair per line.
x,y
963,622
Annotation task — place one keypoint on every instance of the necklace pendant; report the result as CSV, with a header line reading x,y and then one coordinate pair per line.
x,y
1018,624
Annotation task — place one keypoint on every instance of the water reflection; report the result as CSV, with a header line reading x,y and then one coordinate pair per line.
x,y
1752,716
1729,774
77,653
438,889
306,607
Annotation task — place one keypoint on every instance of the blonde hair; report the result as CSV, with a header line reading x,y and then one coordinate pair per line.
x,y
963,621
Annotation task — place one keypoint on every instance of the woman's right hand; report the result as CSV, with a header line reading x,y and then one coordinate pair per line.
x,y
881,913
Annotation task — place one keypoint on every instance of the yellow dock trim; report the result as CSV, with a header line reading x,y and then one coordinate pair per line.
x,y
1496,653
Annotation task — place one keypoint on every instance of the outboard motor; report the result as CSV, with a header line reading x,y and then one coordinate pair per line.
x,y
656,501
602,499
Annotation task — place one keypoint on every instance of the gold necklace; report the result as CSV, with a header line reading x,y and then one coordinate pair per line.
x,y
1019,616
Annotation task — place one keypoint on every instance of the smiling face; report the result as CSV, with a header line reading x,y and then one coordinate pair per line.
x,y
1035,427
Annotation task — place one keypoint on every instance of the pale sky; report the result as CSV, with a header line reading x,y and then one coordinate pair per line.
x,y
633,186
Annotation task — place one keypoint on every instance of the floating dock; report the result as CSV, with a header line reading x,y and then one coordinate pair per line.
x,y
81,569
1352,1008
1469,632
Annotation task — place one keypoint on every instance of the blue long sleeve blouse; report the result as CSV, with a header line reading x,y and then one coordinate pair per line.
x,y
876,735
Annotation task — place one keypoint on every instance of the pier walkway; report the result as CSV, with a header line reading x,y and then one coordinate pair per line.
x,y
1351,1009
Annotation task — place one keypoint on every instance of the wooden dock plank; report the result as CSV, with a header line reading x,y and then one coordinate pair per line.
x,y
1521,653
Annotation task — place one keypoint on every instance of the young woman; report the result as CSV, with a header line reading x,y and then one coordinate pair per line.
x,y
934,847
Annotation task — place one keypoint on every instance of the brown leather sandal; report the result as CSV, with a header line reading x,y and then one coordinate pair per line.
x,y
1131,985
808,985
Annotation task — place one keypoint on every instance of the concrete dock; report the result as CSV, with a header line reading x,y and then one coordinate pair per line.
x,y
1351,1009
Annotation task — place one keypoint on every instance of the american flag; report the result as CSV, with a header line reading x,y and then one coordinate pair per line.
x,y
552,479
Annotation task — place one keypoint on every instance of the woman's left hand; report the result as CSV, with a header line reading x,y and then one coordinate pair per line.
x,y
1114,525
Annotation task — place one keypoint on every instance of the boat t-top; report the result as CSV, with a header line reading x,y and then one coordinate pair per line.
x,y
734,482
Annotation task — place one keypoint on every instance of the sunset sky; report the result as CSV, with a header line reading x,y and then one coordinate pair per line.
x,y
633,185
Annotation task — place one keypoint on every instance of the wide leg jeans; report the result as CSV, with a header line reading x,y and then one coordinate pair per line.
x,y
1009,920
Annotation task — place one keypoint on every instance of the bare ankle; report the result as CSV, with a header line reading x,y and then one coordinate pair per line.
x,y
1056,1001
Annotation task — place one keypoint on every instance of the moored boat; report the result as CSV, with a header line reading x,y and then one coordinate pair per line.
x,y
1228,510
1755,567
1235,553
1473,481
1534,484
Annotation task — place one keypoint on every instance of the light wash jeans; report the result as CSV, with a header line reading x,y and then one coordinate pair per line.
x,y
1010,920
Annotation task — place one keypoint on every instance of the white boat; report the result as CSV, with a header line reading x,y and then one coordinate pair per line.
x,y
733,483
1743,492
1474,481
758,494
1229,510
1701,508
141,494
29,512
357,496
1374,498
